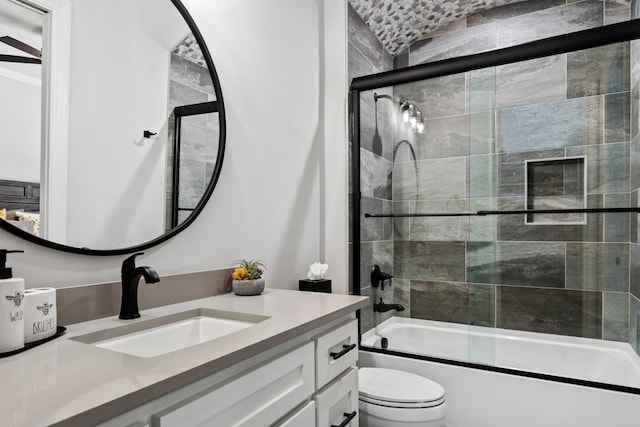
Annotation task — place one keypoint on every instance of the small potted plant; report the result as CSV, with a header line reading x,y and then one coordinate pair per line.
x,y
247,277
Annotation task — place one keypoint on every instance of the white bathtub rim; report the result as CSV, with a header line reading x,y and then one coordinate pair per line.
x,y
621,350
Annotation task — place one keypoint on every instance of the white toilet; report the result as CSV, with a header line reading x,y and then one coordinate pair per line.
x,y
392,398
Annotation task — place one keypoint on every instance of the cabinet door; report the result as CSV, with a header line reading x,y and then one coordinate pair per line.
x,y
337,405
336,351
305,417
257,398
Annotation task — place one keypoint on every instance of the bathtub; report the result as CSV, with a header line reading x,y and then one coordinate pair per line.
x,y
555,355
504,378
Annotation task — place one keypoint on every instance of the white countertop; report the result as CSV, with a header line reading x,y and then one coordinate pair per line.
x,y
65,381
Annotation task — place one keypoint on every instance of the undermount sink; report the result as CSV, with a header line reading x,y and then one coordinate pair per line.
x,y
162,335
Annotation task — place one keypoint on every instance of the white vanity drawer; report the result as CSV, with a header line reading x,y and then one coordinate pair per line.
x,y
336,351
257,398
338,403
305,417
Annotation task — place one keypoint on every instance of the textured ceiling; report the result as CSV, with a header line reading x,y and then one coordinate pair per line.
x,y
398,23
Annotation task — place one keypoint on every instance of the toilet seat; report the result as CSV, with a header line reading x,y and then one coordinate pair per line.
x,y
398,389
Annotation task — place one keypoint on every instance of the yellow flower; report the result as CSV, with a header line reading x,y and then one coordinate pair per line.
x,y
240,273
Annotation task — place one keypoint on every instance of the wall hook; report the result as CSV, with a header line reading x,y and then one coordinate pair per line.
x,y
148,134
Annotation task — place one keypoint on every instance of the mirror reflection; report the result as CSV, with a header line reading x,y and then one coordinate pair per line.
x,y
110,138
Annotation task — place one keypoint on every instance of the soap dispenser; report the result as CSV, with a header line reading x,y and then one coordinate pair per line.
x,y
11,307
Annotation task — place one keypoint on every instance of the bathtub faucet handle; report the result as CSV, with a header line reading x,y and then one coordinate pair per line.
x,y
378,277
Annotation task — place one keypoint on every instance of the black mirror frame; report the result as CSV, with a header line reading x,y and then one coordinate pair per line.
x,y
203,201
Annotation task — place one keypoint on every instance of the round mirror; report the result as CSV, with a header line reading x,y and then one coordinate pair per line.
x,y
113,130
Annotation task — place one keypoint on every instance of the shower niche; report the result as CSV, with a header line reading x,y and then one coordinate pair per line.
x,y
556,185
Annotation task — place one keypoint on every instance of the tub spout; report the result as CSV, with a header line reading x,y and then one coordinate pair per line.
x,y
381,307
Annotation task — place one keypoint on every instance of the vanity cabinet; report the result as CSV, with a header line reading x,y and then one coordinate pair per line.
x,y
308,381
258,398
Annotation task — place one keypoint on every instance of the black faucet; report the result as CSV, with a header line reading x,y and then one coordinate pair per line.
x,y
381,307
130,278
378,277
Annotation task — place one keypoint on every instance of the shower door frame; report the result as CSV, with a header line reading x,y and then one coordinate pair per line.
x,y
585,39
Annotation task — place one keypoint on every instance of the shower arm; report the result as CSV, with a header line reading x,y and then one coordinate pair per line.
x,y
511,212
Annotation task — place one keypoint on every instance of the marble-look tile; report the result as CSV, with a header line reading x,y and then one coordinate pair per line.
x,y
634,267
387,223
440,228
190,74
634,50
483,228
552,311
634,226
512,169
458,24
429,260
598,266
635,104
635,110
382,176
481,88
401,60
459,43
452,302
530,82
511,10
358,64
483,176
615,316
634,323
371,229
363,39
539,264
437,179
197,142
367,126
402,296
367,320
402,226
383,257
513,227
180,94
549,22
616,12
482,130
404,149
444,137
598,70
617,112
367,261
367,167
616,225
436,97
207,132
557,124
607,167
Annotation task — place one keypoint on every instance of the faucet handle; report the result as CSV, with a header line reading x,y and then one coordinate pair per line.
x,y
130,263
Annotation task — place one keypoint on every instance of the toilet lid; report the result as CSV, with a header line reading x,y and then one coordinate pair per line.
x,y
390,385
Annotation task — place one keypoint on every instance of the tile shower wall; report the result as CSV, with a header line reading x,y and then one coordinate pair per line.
x,y
190,83
634,252
367,56
568,279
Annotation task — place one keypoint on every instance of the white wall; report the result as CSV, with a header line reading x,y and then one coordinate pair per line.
x,y
20,127
116,194
281,196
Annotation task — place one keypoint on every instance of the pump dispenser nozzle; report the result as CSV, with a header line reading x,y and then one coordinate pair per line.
x,y
5,272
